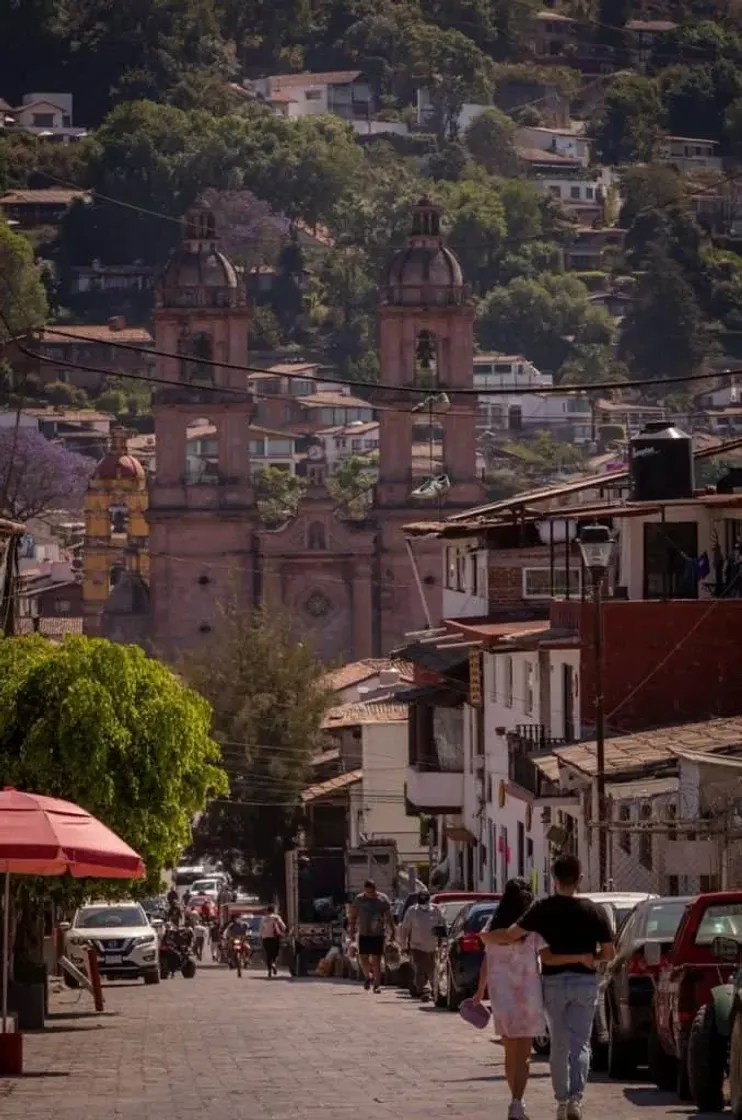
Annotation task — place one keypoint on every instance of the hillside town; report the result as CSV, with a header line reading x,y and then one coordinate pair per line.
x,y
370,553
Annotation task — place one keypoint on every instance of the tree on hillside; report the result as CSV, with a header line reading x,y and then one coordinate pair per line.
x,y
36,475
630,123
475,218
663,334
453,69
269,700
648,188
23,303
490,139
537,317
114,731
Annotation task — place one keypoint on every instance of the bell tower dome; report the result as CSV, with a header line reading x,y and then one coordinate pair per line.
x,y
201,496
427,342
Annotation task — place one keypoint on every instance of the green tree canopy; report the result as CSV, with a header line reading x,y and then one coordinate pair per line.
x,y
630,122
23,303
269,699
278,494
490,139
114,731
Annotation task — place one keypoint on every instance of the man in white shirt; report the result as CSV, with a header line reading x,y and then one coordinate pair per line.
x,y
272,929
422,928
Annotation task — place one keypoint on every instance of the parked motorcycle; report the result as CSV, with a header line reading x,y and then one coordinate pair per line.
x,y
176,954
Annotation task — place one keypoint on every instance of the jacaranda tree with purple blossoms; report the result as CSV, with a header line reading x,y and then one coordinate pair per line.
x,y
37,475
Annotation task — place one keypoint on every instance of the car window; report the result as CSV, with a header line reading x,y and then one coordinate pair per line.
x,y
458,923
110,917
478,917
663,919
451,910
629,932
722,920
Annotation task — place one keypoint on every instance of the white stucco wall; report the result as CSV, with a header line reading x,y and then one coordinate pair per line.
x,y
384,777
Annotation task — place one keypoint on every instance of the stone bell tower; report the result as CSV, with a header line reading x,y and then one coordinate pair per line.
x,y
201,505
427,341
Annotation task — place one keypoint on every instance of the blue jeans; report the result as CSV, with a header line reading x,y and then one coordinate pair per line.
x,y
569,1002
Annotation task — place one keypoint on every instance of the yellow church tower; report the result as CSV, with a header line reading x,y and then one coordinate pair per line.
x,y
116,529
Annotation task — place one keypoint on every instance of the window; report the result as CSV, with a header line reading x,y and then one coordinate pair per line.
x,y
280,447
624,836
508,682
521,849
63,606
527,691
257,447
313,94
473,573
537,582
574,193
589,192
356,445
555,192
645,837
43,120
669,549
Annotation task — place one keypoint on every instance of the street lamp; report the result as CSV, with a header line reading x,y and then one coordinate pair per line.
x,y
596,548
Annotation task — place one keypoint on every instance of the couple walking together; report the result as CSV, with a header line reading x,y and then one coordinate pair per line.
x,y
541,958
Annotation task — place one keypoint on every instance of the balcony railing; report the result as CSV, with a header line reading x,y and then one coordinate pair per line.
x,y
526,744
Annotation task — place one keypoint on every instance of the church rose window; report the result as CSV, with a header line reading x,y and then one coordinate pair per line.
x,y
318,605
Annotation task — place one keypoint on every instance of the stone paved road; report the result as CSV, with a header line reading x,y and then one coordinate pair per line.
x,y
219,1048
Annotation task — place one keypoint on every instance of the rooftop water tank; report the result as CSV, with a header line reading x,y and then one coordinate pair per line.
x,y
661,463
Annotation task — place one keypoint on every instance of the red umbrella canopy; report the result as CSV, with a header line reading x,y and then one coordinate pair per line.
x,y
44,836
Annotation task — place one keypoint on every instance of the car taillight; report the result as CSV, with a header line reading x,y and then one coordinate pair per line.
x,y
637,964
469,943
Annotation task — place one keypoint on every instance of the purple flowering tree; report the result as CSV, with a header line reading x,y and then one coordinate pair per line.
x,y
37,475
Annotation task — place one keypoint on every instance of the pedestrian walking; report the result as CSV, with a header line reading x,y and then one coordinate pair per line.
x,y
578,930
370,917
421,931
512,973
272,929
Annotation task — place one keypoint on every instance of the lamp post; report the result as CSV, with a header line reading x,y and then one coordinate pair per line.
x,y
596,547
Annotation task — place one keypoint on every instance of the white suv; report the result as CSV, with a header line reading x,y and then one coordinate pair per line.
x,y
126,943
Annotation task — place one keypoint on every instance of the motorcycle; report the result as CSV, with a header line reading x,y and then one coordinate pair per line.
x,y
176,954
239,954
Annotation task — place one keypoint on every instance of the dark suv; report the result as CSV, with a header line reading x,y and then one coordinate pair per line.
x,y
459,957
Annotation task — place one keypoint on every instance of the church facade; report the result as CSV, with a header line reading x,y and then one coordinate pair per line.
x,y
350,586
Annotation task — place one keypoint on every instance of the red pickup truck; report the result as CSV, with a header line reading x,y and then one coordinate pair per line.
x,y
689,970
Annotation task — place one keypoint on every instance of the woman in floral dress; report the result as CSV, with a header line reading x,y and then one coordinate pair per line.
x,y
512,974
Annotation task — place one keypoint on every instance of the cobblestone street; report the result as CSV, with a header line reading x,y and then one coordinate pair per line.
x,y
219,1047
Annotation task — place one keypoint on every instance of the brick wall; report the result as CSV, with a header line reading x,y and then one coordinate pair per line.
x,y
664,662
505,571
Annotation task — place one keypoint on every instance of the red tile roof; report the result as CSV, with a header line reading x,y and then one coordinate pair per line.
x,y
332,785
327,78
94,332
358,671
55,628
54,196
352,715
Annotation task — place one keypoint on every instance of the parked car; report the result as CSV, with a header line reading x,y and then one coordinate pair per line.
x,y
459,956
686,979
126,943
711,1051
624,1014
618,904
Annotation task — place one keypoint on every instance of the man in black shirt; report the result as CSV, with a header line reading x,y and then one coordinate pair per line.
x,y
568,925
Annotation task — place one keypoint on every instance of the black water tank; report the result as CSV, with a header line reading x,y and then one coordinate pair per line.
x,y
661,463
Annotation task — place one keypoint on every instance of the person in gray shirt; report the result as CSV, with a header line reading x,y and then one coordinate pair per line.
x,y
371,917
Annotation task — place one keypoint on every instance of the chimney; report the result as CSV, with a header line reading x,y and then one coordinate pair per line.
x,y
389,677
116,323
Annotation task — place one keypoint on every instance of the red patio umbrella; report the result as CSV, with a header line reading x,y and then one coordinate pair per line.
x,y
44,836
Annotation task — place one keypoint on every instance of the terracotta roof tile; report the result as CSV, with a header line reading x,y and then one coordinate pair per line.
x,y
53,196
350,715
331,786
326,399
358,671
538,155
326,78
95,332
